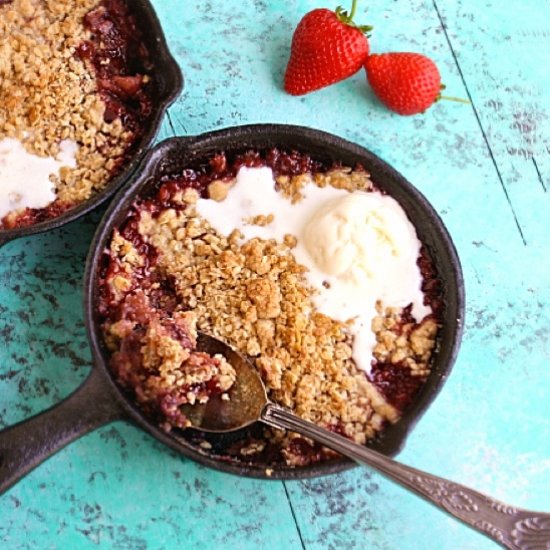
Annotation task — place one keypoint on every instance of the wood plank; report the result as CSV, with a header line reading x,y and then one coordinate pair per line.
x,y
504,57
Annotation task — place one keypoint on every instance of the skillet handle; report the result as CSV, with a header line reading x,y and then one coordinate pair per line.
x,y
27,444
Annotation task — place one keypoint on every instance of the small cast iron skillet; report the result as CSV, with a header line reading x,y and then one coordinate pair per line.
x,y
168,83
99,400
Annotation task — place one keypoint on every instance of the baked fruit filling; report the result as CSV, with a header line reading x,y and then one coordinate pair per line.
x,y
156,358
215,248
76,82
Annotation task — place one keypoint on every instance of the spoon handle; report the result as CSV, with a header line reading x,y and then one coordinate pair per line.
x,y
513,528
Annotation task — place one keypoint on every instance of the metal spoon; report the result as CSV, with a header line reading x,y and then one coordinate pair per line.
x,y
511,527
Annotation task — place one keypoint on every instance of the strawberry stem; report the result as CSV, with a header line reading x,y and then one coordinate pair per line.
x,y
347,19
457,99
353,10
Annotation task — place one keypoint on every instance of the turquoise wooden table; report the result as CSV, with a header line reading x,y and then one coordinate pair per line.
x,y
486,169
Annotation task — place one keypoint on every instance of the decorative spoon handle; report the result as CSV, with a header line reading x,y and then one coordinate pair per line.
x,y
513,528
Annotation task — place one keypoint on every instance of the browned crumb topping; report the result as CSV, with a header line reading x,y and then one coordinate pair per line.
x,y
339,178
50,94
401,340
218,190
254,296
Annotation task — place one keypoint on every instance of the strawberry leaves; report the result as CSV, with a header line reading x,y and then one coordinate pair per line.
x,y
343,16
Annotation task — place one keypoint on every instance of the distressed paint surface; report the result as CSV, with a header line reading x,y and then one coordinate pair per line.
x,y
486,169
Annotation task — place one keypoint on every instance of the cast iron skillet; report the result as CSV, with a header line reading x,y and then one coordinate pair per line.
x,y
168,85
100,401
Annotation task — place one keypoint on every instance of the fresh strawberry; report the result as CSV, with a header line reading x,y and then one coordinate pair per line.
x,y
327,47
407,83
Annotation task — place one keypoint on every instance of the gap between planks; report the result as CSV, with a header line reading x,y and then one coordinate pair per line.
x,y
493,159
169,117
294,516
538,173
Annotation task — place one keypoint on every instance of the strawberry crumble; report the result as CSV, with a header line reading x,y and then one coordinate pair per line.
x,y
170,270
74,75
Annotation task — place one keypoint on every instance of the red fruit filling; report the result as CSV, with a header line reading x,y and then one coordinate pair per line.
x,y
122,63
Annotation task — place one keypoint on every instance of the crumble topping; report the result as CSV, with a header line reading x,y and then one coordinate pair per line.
x,y
50,93
254,295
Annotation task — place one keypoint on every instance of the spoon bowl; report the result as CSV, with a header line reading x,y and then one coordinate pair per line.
x,y
247,396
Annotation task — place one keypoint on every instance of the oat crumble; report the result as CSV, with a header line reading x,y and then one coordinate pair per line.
x,y
50,93
254,296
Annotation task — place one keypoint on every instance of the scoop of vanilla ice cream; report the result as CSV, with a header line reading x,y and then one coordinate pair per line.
x,y
365,240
